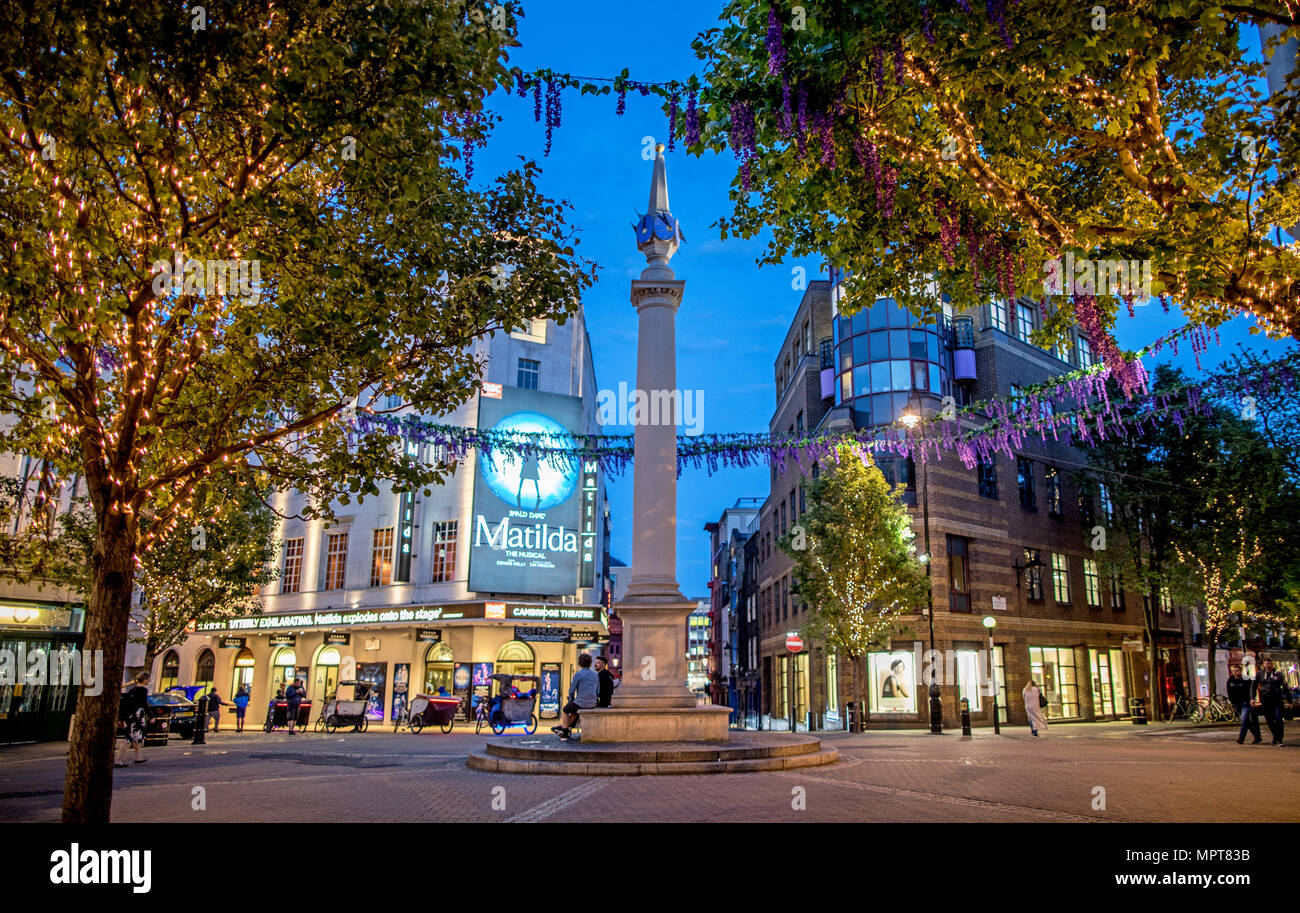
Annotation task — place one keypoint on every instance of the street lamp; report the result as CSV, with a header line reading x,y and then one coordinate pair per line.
x,y
990,622
911,418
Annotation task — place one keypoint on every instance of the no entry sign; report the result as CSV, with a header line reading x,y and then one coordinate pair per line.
x,y
794,643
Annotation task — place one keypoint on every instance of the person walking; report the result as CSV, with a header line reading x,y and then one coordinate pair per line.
x,y
1034,705
241,707
133,717
605,686
583,690
214,709
1270,697
1239,689
293,698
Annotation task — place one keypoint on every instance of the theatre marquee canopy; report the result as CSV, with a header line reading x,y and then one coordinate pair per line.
x,y
400,615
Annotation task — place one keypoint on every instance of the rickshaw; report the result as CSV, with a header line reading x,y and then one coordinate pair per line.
x,y
277,715
344,711
429,710
509,706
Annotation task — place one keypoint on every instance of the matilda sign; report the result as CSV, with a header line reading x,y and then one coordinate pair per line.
x,y
527,507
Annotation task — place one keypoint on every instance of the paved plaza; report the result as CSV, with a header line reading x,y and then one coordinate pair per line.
x,y
1157,773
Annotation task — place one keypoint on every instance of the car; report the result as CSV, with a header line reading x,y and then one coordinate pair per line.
x,y
170,713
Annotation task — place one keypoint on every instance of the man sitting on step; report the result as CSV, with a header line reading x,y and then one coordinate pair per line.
x,y
583,689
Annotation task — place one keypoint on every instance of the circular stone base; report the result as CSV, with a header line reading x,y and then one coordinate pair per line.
x,y
744,752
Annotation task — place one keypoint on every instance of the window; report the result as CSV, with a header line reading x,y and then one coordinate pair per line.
x,y
1092,583
444,552
832,683
1107,508
1085,353
988,478
1034,575
998,315
291,580
803,499
1024,322
1108,693
336,560
1053,669
171,671
1060,578
959,573
381,558
529,372
1166,603
1025,479
1054,491
1116,592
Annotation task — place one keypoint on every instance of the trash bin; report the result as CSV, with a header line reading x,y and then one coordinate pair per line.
x,y
1137,708
850,717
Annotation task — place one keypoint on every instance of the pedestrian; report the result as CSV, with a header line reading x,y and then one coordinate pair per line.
x,y
279,694
605,688
293,696
1239,689
1270,697
1034,704
241,707
133,719
214,709
583,688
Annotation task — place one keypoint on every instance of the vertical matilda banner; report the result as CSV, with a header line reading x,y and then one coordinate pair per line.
x,y
527,508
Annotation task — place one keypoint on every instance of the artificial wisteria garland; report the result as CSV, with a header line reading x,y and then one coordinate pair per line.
x,y
974,433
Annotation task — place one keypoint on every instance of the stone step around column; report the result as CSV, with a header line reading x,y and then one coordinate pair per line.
x,y
742,755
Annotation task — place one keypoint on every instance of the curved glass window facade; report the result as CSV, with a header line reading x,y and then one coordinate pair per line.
x,y
882,353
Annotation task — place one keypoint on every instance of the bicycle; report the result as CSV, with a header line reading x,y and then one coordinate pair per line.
x,y
402,719
1220,710
1186,708
481,717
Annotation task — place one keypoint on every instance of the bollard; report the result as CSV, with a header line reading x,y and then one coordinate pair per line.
x,y
201,722
1139,711
936,711
965,716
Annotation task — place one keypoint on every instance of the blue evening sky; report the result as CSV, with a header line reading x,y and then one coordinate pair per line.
x,y
734,315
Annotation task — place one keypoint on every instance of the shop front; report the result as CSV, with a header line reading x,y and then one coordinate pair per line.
x,y
401,651
39,681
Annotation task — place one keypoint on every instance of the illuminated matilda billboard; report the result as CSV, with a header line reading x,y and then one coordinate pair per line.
x,y
527,510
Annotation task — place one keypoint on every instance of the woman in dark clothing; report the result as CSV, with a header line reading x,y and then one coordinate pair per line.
x,y
133,719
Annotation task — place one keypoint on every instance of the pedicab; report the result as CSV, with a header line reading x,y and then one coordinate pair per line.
x,y
509,706
277,715
432,710
343,710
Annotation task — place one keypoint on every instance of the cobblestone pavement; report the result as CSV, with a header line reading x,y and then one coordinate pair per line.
x,y
1152,773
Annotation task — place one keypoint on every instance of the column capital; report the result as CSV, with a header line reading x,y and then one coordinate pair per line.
x,y
646,292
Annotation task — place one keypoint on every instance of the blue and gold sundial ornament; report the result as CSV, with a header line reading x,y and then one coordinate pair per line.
x,y
658,233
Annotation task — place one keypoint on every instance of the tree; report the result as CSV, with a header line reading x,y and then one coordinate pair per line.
x,y
855,564
980,144
225,232
1197,513
210,572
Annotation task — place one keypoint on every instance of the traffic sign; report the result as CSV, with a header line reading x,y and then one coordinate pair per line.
x,y
794,643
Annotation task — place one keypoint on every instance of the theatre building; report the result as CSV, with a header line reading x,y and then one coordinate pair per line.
x,y
1009,539
500,569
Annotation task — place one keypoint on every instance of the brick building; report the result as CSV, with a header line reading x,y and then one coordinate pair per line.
x,y
727,538
1010,539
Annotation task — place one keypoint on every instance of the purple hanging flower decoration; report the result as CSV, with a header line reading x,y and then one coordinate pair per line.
x,y
521,85
825,123
787,113
890,184
674,96
927,23
537,102
775,49
899,61
552,112
692,120
878,68
622,100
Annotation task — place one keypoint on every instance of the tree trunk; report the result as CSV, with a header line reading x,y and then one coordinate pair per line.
x,y
88,788
1212,639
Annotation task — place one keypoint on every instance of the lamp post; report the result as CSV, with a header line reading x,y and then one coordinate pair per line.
x,y
990,622
911,419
